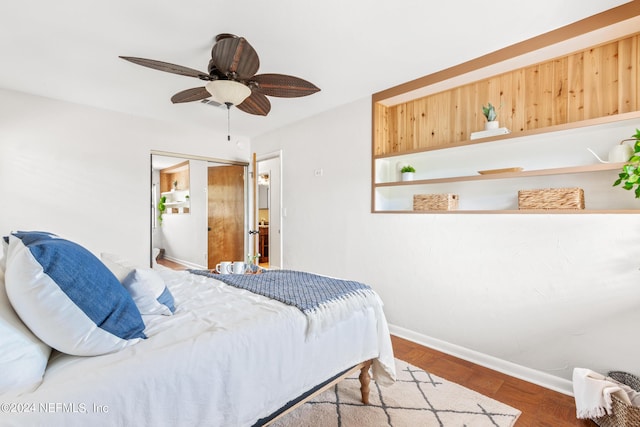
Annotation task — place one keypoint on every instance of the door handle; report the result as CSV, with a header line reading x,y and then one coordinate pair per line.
x,y
253,231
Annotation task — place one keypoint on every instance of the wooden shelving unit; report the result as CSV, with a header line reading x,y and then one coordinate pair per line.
x,y
507,175
527,177
177,199
592,85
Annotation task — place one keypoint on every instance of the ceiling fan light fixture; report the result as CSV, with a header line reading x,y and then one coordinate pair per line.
x,y
228,91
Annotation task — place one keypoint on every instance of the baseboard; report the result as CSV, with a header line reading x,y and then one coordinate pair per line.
x,y
185,263
543,379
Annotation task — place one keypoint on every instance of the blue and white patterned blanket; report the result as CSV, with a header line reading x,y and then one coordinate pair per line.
x,y
306,291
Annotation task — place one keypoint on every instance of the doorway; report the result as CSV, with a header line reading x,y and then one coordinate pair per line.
x,y
184,232
269,209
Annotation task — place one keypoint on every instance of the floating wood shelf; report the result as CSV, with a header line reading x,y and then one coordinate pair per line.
x,y
540,172
634,115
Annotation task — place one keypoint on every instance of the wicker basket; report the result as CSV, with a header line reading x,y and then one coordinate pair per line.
x,y
435,202
623,415
551,198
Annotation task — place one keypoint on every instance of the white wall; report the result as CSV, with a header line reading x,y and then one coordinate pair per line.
x,y
534,295
83,173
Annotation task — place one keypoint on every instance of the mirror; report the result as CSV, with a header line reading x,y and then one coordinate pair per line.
x,y
263,192
263,218
269,210
199,211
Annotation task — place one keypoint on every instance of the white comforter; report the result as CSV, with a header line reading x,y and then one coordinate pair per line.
x,y
226,358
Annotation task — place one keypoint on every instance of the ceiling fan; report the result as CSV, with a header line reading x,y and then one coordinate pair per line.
x,y
232,78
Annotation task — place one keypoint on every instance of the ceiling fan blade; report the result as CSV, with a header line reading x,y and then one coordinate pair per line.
x,y
169,68
284,86
257,104
235,58
194,94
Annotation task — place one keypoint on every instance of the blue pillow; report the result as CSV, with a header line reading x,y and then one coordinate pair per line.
x,y
68,297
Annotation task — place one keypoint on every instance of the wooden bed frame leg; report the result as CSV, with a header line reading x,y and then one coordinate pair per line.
x,y
365,379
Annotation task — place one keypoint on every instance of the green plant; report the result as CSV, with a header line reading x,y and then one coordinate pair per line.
x,y
489,112
175,184
161,208
407,168
630,175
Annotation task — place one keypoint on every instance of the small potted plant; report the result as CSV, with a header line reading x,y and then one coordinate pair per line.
x,y
491,115
407,172
630,175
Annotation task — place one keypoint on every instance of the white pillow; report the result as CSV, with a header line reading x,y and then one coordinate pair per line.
x,y
119,266
145,286
23,357
68,298
149,292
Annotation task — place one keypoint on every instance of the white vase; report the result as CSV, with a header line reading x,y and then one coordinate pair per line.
x,y
407,176
492,125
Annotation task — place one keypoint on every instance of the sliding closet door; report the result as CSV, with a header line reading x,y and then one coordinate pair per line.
x,y
226,214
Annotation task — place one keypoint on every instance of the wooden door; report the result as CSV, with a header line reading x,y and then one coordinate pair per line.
x,y
226,214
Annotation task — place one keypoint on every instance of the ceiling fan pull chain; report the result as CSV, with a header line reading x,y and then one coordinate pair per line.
x,y
228,104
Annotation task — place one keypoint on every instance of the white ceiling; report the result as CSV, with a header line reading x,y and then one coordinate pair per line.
x,y
68,49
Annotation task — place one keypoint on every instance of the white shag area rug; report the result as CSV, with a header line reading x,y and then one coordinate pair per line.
x,y
418,398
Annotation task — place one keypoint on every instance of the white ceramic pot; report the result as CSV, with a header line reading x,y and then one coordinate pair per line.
x,y
491,125
407,176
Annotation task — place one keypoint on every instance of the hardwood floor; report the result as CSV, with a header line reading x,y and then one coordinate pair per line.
x,y
540,407
171,264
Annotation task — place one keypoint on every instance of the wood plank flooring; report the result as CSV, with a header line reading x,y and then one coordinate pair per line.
x,y
540,407
170,264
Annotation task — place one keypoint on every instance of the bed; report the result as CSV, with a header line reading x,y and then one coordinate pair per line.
x,y
224,357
